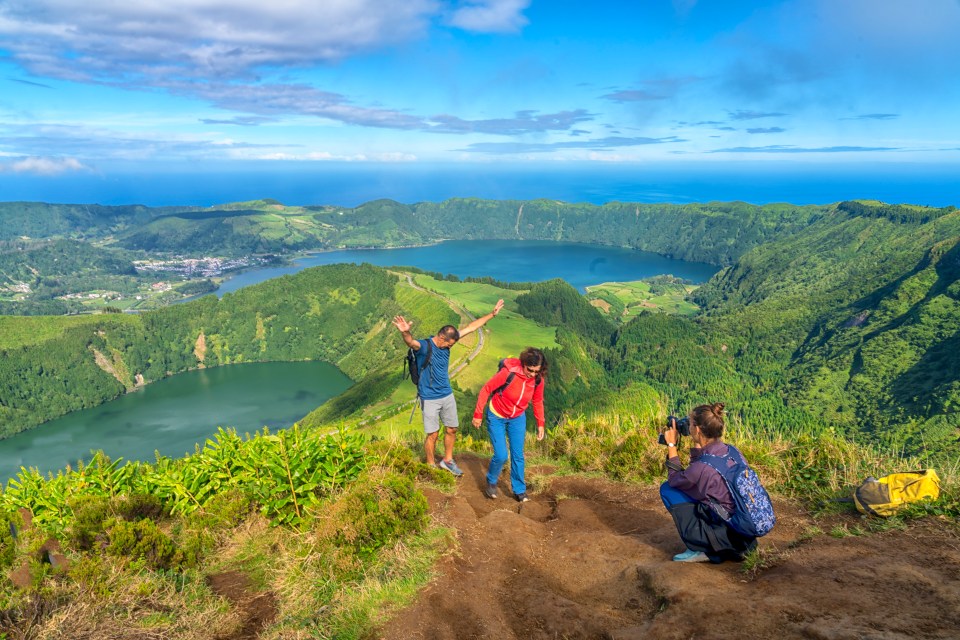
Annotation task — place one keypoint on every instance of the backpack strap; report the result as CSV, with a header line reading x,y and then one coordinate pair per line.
x,y
718,464
426,360
506,384
503,363
426,363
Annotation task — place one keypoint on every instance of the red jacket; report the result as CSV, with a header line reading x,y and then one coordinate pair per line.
x,y
513,400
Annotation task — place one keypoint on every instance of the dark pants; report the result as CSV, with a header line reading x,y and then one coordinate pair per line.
x,y
702,530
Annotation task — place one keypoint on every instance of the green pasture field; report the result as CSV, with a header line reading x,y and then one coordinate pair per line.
x,y
635,297
19,331
128,302
506,335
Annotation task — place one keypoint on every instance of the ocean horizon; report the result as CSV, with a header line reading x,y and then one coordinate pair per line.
x,y
347,184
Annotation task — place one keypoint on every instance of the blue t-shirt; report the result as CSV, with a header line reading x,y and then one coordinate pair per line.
x,y
435,379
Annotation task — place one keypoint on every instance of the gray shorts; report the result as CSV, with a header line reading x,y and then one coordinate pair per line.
x,y
442,409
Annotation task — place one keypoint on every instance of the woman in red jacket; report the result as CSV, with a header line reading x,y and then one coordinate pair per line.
x,y
519,381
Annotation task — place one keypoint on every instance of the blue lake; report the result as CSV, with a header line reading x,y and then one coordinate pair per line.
x,y
509,260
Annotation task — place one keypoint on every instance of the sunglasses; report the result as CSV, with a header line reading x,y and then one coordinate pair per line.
x,y
531,369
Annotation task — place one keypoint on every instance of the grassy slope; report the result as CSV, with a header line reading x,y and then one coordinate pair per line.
x,y
21,331
635,298
506,335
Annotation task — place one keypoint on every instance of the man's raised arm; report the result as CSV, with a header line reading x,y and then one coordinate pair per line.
x,y
404,327
479,322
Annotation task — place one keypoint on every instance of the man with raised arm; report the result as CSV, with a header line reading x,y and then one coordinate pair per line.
x,y
434,392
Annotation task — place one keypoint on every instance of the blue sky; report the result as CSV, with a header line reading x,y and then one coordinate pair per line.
x,y
104,86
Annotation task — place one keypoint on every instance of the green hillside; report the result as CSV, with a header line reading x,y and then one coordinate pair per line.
x,y
836,317
715,232
49,269
854,321
834,347
263,228
723,231
49,367
42,220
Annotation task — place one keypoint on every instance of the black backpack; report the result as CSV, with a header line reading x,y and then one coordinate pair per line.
x,y
510,377
410,364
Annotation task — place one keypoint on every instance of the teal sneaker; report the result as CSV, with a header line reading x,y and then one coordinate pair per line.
x,y
691,556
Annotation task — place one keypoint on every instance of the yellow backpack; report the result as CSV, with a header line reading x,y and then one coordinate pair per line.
x,y
884,496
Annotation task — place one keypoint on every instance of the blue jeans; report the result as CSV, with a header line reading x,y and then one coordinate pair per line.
x,y
500,430
672,497
701,529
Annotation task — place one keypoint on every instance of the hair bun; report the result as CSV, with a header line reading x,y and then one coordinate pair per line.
x,y
717,409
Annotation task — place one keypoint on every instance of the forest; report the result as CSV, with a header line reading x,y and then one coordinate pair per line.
x,y
318,314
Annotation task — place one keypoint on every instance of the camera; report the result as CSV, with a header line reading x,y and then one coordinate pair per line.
x,y
682,424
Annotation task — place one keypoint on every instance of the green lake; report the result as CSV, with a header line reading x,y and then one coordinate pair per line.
x,y
173,415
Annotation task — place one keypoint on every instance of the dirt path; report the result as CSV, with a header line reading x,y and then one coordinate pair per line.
x,y
588,558
253,610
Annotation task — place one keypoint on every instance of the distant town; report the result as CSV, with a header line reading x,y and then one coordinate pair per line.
x,y
199,267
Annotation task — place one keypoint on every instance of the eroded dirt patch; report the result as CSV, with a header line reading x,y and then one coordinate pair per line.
x,y
587,558
254,610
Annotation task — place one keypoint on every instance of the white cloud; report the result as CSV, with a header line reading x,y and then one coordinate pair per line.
x,y
491,16
281,99
132,41
42,144
145,41
45,166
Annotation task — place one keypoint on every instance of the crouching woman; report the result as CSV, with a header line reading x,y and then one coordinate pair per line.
x,y
697,496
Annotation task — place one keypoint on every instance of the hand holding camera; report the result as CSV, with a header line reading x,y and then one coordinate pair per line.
x,y
680,425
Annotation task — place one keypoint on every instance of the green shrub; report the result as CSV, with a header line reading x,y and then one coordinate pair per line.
x,y
400,458
435,475
394,456
88,571
637,458
89,514
584,443
223,510
8,544
137,506
378,509
141,540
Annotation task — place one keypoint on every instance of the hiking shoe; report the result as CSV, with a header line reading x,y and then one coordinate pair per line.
x,y
450,466
691,556
522,497
491,491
